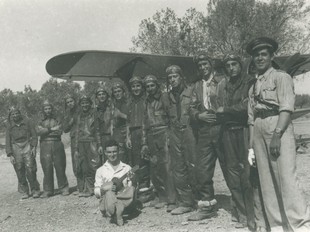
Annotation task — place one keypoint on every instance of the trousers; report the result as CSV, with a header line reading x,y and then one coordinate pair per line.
x,y
88,161
208,150
181,150
235,152
25,167
135,153
285,205
161,173
52,155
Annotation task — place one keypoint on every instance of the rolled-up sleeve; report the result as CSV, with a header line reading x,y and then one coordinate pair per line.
x,y
285,92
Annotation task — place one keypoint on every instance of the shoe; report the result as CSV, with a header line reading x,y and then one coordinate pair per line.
x,y
25,196
65,192
36,194
170,207
85,194
160,205
203,214
181,210
46,195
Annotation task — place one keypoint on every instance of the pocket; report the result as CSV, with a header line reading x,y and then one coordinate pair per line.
x,y
270,93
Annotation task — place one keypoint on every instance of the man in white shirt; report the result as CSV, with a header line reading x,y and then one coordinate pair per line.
x,y
114,196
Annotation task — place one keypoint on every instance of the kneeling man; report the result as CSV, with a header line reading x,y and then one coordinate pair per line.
x,y
113,185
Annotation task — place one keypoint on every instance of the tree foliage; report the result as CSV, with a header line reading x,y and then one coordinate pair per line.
x,y
226,26
302,101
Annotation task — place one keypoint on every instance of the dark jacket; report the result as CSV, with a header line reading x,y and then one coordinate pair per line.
x,y
19,133
233,97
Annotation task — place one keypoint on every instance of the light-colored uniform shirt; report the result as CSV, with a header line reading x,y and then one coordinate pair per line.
x,y
272,90
106,173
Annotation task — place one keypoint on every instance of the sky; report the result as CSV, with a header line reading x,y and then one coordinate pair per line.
x,y
33,31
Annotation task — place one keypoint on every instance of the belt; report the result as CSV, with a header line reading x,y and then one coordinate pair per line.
x,y
266,113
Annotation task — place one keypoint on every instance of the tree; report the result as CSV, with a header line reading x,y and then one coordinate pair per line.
x,y
227,26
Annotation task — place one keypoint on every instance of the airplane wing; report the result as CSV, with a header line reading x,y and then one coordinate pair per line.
x,y
100,65
300,112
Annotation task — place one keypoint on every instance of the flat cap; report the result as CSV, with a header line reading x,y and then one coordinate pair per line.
x,y
118,84
84,97
150,78
102,89
200,57
174,69
47,103
261,42
135,79
231,57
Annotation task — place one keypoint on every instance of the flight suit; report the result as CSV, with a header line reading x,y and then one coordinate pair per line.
x,y
285,205
87,143
136,108
208,144
19,141
119,132
233,97
52,155
155,134
182,145
69,126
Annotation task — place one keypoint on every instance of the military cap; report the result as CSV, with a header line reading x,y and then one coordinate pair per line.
x,y
85,98
231,57
261,42
102,89
200,57
135,79
174,69
150,78
68,96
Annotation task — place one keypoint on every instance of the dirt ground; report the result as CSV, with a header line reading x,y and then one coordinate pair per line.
x,y
71,213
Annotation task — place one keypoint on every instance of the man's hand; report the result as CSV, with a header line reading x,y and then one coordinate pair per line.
x,y
97,192
128,143
275,145
220,109
119,114
251,157
12,159
145,152
113,188
206,117
100,150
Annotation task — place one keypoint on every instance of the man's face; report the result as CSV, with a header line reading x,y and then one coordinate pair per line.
x,y
47,110
136,88
102,96
262,60
85,105
174,80
204,68
118,93
16,116
233,68
70,103
151,88
112,154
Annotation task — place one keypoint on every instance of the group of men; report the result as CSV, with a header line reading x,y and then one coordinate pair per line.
x,y
175,137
